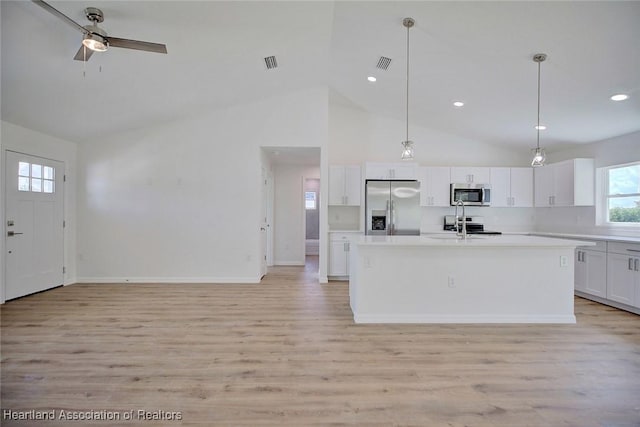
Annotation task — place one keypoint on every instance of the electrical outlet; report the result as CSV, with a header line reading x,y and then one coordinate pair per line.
x,y
367,262
564,261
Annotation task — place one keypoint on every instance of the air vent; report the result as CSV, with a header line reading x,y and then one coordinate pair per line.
x,y
383,63
270,62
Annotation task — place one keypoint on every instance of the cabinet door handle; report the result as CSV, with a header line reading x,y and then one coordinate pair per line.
x,y
348,246
635,264
631,264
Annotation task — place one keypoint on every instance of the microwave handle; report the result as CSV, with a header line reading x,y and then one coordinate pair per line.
x,y
486,195
483,196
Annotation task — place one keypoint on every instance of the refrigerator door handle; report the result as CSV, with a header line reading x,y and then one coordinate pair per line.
x,y
393,217
388,230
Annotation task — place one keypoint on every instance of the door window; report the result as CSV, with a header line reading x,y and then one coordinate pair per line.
x,y
36,178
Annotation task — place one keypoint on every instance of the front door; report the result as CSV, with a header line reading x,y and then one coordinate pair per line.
x,y
34,227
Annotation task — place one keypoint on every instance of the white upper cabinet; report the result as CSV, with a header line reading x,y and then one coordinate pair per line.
x,y
543,186
511,187
391,171
470,175
344,185
522,187
568,183
434,186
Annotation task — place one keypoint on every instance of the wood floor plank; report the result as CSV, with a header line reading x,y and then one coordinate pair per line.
x,y
286,352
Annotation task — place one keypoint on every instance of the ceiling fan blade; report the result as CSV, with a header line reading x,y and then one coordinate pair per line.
x,y
83,54
136,44
56,12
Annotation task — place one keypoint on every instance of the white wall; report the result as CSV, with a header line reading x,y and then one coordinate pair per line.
x,y
289,227
619,150
356,136
181,202
16,138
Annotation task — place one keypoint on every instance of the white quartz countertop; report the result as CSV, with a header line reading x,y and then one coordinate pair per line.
x,y
479,241
625,239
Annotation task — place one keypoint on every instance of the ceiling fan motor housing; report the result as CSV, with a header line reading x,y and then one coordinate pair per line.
x,y
94,14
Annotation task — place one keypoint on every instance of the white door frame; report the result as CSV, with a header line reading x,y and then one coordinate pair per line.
x,y
3,214
270,201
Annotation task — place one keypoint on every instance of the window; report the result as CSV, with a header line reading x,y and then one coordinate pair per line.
x,y
310,200
622,194
36,178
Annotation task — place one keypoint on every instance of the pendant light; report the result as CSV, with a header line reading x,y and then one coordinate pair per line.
x,y
539,156
407,145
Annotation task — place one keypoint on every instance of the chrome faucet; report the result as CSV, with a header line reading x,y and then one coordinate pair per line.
x,y
462,233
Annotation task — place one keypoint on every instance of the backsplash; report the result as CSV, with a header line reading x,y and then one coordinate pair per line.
x,y
344,217
495,219
576,220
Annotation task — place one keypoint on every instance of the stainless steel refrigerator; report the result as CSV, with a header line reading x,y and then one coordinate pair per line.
x,y
392,207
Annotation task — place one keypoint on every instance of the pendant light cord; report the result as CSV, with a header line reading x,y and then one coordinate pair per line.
x,y
538,127
407,129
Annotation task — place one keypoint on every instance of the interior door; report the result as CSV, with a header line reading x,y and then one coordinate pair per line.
x,y
34,227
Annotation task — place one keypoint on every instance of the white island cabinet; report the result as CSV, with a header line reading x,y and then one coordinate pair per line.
x,y
442,279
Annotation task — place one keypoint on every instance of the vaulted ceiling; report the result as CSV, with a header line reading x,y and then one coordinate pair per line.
x,y
477,52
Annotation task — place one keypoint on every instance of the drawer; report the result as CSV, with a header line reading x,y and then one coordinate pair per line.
x,y
631,249
601,246
343,236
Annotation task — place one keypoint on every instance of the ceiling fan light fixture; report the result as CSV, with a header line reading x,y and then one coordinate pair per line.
x,y
95,42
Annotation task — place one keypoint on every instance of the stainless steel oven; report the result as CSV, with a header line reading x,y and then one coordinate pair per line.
x,y
471,194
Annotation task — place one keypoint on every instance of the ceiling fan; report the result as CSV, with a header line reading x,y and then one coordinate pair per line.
x,y
95,39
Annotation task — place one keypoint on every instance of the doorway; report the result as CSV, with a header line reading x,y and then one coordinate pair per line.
x,y
290,168
34,235
312,216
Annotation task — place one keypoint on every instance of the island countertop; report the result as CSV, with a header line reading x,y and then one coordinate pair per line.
x,y
472,241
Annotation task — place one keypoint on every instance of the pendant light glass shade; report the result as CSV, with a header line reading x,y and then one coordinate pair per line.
x,y
407,150
407,145
539,156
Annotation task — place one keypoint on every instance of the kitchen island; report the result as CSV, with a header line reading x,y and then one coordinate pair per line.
x,y
445,279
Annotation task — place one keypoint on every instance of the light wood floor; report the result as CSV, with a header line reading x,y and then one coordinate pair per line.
x,y
286,352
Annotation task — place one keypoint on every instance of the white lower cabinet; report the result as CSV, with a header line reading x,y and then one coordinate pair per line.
x,y
339,261
623,278
339,251
610,272
591,271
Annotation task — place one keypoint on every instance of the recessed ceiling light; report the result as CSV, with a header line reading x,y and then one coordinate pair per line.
x,y
619,97
541,127
371,79
458,103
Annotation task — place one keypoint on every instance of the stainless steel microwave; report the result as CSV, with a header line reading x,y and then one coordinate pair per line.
x,y
471,194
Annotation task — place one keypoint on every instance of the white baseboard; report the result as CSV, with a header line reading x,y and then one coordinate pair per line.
x,y
288,263
212,280
425,318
